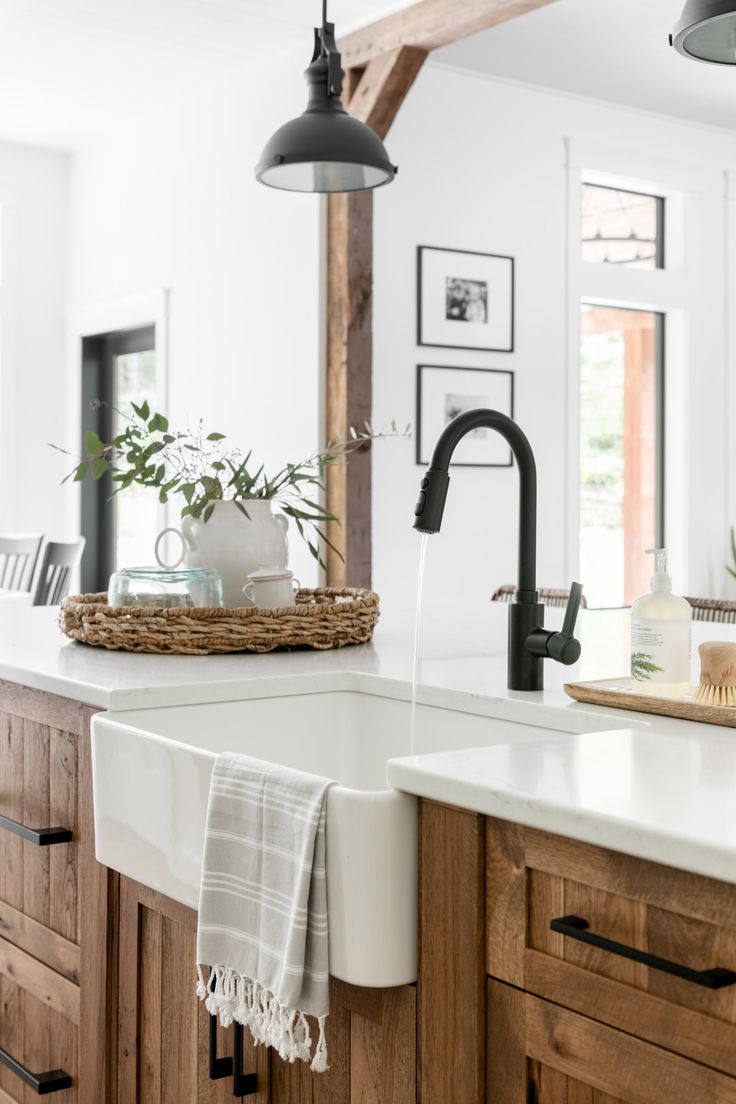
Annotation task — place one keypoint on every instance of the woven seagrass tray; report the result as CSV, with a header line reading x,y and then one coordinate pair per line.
x,y
324,618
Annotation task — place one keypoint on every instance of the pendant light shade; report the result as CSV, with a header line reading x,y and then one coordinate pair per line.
x,y
325,149
707,31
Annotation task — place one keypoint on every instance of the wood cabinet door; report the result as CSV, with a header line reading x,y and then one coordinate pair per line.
x,y
540,1053
371,1042
53,899
163,1040
164,1031
618,939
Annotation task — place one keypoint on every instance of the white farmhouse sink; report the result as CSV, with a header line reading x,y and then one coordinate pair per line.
x,y
152,771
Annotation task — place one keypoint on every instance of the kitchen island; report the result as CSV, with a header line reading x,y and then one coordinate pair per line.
x,y
624,821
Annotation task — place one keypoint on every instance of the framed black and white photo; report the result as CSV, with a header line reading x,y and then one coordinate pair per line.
x,y
443,393
465,300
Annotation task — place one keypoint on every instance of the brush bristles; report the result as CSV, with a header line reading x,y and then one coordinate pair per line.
x,y
716,695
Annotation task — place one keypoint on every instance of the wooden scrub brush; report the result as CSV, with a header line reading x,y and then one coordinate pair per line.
x,y
717,674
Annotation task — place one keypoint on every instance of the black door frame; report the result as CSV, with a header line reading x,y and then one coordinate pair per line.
x,y
98,382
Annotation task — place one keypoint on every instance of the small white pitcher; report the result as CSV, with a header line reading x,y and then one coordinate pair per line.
x,y
271,587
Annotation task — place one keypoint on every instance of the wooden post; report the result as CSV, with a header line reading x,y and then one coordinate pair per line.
x,y
349,390
378,92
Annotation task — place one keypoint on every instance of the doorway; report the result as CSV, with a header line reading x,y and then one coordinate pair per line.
x,y
117,368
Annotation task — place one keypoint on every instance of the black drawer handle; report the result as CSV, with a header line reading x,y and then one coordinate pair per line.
x,y
42,837
41,1083
218,1067
576,928
244,1084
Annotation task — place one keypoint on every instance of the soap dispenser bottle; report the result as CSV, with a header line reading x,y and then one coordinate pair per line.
x,y
661,625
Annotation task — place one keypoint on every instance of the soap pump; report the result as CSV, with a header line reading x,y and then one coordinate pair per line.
x,y
661,625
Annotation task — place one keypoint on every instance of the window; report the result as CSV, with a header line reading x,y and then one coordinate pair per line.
x,y
621,450
120,530
622,228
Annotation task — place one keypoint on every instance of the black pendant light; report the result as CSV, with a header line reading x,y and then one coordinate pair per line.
x,y
325,149
707,31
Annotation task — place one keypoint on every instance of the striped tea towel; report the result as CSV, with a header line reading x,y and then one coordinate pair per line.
x,y
263,905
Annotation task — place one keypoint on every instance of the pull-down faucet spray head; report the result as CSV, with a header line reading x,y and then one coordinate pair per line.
x,y
431,502
433,488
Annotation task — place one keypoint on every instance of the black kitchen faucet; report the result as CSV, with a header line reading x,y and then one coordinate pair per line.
x,y
529,642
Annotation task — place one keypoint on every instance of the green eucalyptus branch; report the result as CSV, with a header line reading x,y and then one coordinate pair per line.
x,y
204,470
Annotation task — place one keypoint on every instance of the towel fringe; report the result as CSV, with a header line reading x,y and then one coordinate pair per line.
x,y
319,1062
233,997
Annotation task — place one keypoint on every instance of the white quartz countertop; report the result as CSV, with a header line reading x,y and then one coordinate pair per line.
x,y
661,789
34,652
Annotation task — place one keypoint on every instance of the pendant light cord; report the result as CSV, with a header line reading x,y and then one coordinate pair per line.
x,y
324,12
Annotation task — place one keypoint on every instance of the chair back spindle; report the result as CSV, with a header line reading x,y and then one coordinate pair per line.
x,y
59,560
18,559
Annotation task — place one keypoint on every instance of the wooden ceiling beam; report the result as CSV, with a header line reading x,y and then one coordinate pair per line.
x,y
382,86
429,25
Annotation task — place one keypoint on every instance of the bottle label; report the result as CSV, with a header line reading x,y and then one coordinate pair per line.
x,y
660,651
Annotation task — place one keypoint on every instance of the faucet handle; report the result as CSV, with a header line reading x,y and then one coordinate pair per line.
x,y
562,645
571,613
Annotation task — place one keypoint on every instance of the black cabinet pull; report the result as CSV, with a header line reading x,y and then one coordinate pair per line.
x,y
42,1083
244,1084
218,1067
42,837
574,927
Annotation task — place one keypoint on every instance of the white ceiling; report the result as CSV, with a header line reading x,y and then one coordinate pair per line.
x,y
71,69
610,49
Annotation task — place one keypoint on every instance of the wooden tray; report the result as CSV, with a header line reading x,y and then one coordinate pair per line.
x,y
624,693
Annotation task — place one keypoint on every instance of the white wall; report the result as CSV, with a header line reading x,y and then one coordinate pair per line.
x,y
33,206
483,167
172,203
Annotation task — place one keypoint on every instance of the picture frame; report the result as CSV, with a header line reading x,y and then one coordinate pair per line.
x,y
465,299
442,392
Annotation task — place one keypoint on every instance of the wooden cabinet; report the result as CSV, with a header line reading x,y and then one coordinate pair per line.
x,y
562,973
163,1039
540,1052
53,903
550,971
657,936
97,972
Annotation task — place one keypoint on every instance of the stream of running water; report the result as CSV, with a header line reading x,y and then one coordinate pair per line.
x,y
423,538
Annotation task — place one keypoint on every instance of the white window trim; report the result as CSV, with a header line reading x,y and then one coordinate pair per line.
x,y
729,290
672,291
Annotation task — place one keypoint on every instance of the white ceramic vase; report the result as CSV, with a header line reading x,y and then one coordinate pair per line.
x,y
236,545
